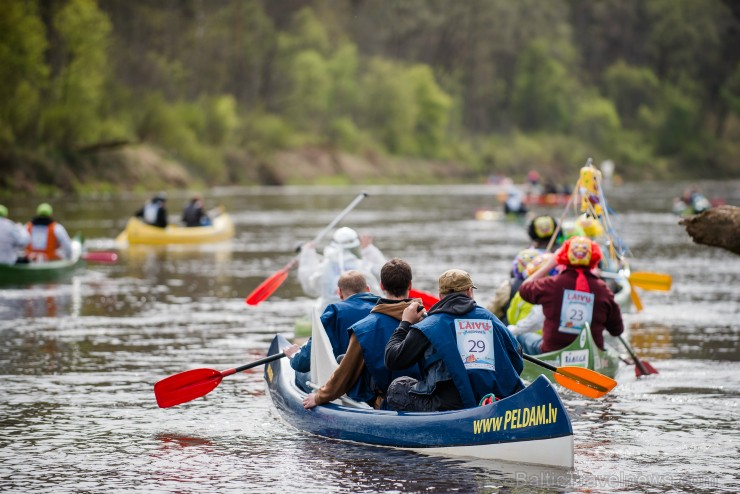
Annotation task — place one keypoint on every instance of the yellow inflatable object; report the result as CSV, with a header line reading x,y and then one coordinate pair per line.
x,y
590,182
138,232
590,226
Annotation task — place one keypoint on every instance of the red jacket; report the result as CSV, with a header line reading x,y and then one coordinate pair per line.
x,y
548,292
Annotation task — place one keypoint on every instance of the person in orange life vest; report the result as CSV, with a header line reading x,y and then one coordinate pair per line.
x,y
49,239
570,299
12,238
154,212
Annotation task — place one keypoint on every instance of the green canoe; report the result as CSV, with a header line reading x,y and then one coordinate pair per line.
x,y
21,274
582,352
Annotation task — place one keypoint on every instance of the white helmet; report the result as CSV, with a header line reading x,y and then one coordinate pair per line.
x,y
346,238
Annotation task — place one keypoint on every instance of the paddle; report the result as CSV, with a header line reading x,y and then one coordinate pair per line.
x,y
651,281
100,256
579,379
192,384
426,298
636,300
642,367
268,287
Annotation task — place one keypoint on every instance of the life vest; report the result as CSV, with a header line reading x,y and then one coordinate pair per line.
x,y
373,334
338,318
473,378
518,309
43,244
151,211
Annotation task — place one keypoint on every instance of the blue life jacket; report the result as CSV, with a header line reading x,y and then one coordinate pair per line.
x,y
442,360
373,334
337,318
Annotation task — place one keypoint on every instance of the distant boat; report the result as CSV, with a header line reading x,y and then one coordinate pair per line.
x,y
138,232
37,272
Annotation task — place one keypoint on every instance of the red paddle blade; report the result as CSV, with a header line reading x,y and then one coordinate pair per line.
x,y
267,287
186,386
648,369
100,256
426,298
584,381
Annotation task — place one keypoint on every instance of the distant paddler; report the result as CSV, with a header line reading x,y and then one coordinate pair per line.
x,y
570,299
49,240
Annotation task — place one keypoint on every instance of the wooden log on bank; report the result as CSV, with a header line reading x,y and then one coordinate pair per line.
x,y
717,227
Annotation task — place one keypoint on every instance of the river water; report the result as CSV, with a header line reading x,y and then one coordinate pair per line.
x,y
79,358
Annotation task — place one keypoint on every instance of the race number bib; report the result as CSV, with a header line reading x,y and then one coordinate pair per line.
x,y
475,343
576,311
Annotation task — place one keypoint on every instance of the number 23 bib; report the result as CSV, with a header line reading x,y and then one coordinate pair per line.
x,y
576,311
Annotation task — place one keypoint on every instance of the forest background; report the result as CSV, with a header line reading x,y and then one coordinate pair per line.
x,y
112,94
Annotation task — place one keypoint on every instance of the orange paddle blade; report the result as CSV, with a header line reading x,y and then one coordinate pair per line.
x,y
651,281
267,287
584,381
186,386
636,299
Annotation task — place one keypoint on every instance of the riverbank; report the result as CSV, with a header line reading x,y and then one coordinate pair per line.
x,y
144,167
127,167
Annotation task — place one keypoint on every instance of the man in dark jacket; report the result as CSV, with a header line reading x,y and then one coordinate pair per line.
x,y
154,212
464,351
194,214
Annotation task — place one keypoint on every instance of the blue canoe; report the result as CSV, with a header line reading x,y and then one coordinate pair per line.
x,y
531,426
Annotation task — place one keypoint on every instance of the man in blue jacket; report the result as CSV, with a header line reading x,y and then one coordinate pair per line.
x,y
356,303
361,373
464,351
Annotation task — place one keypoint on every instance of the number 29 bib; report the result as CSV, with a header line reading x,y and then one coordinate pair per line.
x,y
475,343
576,311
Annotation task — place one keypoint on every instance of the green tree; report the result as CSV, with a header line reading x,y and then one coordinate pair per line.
x,y
542,92
630,88
72,118
596,121
678,121
307,103
390,111
23,72
433,111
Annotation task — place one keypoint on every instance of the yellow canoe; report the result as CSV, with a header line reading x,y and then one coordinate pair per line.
x,y
138,232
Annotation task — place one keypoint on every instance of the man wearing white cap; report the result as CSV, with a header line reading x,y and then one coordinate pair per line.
x,y
12,238
464,351
319,274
